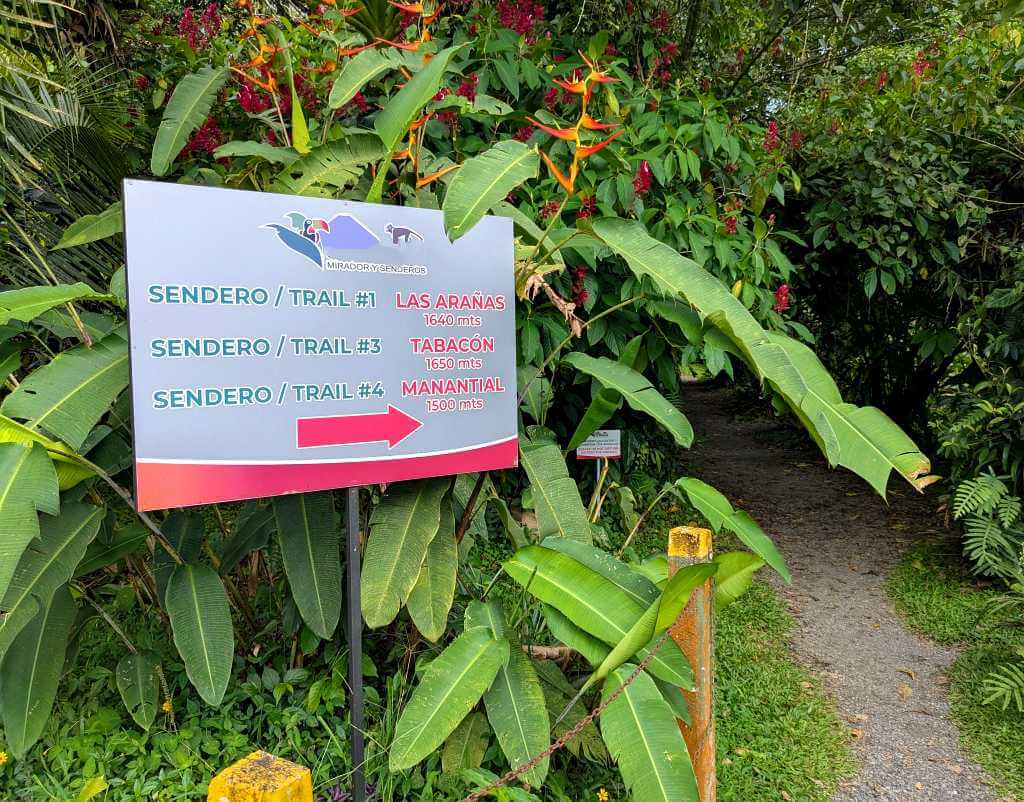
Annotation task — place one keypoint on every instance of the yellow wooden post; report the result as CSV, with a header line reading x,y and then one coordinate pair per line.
x,y
262,777
693,633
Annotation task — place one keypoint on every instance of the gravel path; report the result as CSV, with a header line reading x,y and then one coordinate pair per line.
x,y
840,541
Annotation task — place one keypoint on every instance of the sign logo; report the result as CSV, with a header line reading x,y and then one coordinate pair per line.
x,y
322,241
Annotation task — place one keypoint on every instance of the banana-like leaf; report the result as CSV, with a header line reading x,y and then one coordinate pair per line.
x,y
69,471
247,147
185,530
329,167
658,617
252,531
307,530
430,599
556,497
607,401
401,110
516,531
30,672
27,303
633,583
46,565
564,630
68,396
300,131
591,602
93,227
736,571
484,180
186,111
637,391
197,606
28,483
466,747
401,529
357,72
643,737
450,688
862,439
720,513
125,542
139,686
515,702
558,694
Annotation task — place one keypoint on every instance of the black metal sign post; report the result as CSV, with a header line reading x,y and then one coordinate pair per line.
x,y
355,648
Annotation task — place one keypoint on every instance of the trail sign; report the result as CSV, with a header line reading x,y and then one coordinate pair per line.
x,y
283,344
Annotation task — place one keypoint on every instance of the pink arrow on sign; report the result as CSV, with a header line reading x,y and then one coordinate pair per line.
x,y
392,426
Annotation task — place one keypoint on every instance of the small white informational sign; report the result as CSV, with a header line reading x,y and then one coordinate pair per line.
x,y
602,444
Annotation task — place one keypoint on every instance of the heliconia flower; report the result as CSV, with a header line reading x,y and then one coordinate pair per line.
x,y
588,122
771,137
567,182
781,298
575,87
408,8
643,179
344,52
569,134
432,177
589,150
730,225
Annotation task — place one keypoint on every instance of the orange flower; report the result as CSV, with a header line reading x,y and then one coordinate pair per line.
x,y
568,134
591,124
576,87
429,179
566,182
589,150
408,8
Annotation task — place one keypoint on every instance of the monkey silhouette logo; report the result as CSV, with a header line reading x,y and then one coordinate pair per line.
x,y
401,234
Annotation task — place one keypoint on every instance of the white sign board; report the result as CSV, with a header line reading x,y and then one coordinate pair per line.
x,y
602,444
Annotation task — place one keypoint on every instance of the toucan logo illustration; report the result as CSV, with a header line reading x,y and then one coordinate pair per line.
x,y
319,240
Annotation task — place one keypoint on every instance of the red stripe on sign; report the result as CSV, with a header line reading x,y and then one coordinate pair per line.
x,y
162,485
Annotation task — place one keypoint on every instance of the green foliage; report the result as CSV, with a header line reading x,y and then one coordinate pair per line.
x,y
139,686
559,507
197,607
187,109
93,227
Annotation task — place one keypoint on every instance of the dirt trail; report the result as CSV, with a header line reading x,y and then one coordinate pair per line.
x,y
840,542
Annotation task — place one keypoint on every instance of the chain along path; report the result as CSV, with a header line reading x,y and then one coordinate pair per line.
x,y
840,541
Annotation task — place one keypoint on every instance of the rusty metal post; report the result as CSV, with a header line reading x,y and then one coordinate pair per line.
x,y
694,634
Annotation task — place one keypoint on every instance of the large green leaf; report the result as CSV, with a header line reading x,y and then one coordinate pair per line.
x,y
430,599
560,697
720,513
736,571
92,227
515,703
484,180
451,686
643,737
30,672
201,624
139,686
185,530
862,439
357,72
125,542
329,167
47,565
28,483
638,392
556,497
401,529
307,529
606,401
252,530
186,111
247,147
401,110
28,303
564,630
69,471
591,602
632,582
68,396
466,747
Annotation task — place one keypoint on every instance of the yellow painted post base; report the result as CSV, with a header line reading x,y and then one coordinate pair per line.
x,y
262,777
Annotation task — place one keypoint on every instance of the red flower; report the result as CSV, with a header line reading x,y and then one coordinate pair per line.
x,y
523,134
771,137
521,17
921,64
198,33
730,225
671,50
251,101
661,22
741,54
206,139
730,167
834,125
796,139
359,99
588,209
610,49
771,219
271,137
883,79
549,209
643,178
467,88
579,292
142,82
448,117
781,298
551,97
